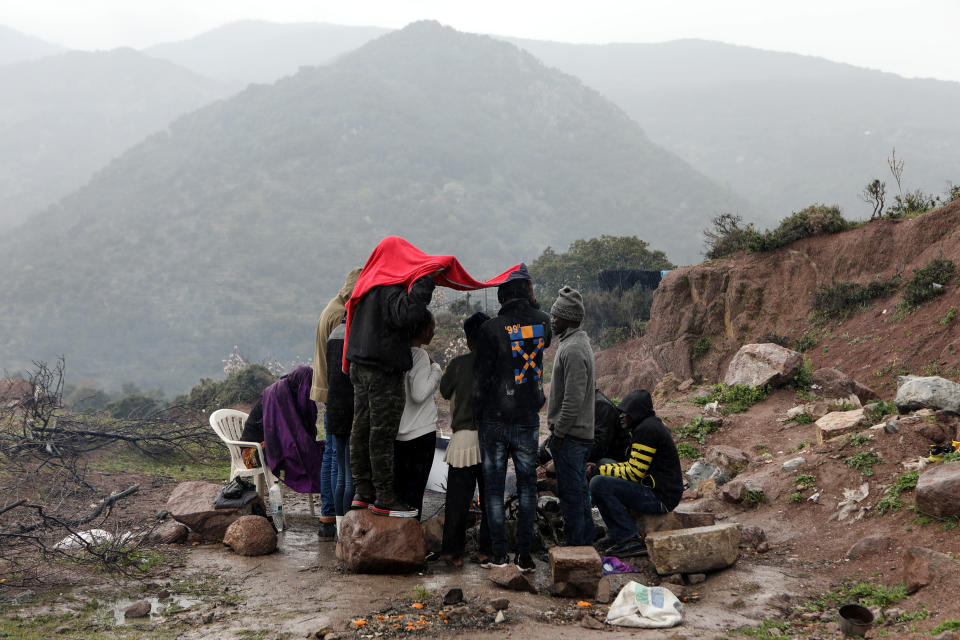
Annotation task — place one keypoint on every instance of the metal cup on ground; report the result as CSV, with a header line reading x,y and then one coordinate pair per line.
x,y
855,620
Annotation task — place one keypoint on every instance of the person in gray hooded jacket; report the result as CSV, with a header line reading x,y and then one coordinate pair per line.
x,y
570,415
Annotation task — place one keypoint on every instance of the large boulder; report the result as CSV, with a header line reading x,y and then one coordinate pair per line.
x,y
694,550
665,390
834,383
192,504
578,567
938,490
838,423
758,365
933,392
730,459
370,543
649,522
251,536
923,567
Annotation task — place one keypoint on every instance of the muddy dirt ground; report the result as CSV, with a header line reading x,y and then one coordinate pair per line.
x,y
206,591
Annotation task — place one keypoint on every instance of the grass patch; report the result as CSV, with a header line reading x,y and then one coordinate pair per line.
x,y
859,439
178,465
866,593
807,341
754,498
801,446
948,318
877,410
735,399
803,418
700,347
947,625
863,461
421,593
891,499
768,630
688,451
805,481
697,429
920,287
840,299
795,497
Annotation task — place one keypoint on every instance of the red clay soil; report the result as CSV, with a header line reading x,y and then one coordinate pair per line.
x,y
746,298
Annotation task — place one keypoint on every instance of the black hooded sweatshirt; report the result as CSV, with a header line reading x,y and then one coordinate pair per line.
x,y
653,460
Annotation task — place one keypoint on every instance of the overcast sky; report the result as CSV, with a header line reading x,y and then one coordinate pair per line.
x,y
914,39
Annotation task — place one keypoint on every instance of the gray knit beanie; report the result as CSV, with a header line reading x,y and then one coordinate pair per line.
x,y
569,305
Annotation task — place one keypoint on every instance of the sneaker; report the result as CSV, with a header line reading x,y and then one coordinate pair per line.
x,y
328,531
524,562
395,509
361,502
635,546
495,561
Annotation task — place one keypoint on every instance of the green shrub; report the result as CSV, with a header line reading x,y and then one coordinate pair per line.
x,y
687,451
859,439
947,625
244,386
697,429
795,497
807,341
919,288
135,405
863,461
735,399
805,481
891,499
803,379
700,347
803,418
950,315
727,235
754,498
842,298
912,204
883,408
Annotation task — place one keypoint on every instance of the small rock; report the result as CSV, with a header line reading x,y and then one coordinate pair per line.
x,y
170,532
589,622
866,546
139,609
332,636
207,618
563,590
499,604
510,577
63,630
696,578
162,514
675,578
763,547
500,617
890,613
603,590
752,536
251,536
163,594
460,613
684,386
321,633
453,596
794,464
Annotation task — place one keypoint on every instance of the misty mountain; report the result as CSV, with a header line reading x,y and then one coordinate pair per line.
x,y
256,51
65,116
781,129
236,224
18,47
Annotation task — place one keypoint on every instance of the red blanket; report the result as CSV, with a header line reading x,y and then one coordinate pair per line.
x,y
396,261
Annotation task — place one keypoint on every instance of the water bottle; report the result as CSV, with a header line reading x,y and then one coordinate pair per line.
x,y
276,505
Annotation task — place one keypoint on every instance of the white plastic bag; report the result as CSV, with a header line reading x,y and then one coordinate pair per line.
x,y
646,607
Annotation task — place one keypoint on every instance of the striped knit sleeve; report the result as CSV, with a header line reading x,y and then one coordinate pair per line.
x,y
634,469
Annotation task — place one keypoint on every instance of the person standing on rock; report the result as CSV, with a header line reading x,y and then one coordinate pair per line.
x,y
330,318
416,440
464,469
507,398
570,415
650,481
378,352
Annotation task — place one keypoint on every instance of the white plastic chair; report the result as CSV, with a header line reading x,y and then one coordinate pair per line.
x,y
228,425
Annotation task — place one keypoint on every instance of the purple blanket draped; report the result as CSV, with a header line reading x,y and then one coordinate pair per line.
x,y
290,431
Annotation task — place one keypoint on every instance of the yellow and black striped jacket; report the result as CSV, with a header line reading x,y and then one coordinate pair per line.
x,y
652,462
635,469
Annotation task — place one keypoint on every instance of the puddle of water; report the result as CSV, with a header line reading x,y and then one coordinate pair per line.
x,y
158,607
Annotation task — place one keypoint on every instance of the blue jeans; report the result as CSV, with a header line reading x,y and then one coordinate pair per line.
x,y
570,461
343,491
328,475
519,441
616,497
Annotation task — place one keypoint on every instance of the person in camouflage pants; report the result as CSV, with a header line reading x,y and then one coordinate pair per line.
x,y
379,397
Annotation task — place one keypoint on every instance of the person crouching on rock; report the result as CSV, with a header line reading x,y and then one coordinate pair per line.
x,y
464,467
650,481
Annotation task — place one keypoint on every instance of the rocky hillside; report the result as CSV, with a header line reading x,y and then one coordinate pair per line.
x,y
723,304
